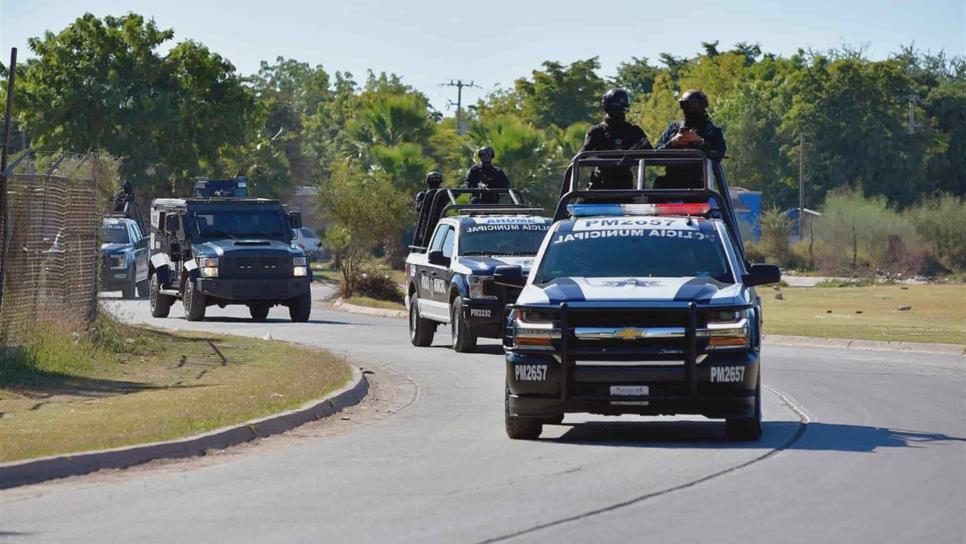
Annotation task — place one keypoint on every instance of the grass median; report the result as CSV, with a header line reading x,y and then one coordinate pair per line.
x,y
130,385
935,314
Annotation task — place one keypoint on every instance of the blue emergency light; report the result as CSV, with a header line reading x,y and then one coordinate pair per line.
x,y
597,210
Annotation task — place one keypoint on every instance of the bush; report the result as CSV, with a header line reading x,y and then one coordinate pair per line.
x,y
941,223
864,234
377,285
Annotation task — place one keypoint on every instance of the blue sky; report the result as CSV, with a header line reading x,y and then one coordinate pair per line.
x,y
494,41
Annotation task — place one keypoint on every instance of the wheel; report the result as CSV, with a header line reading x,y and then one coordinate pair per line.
x,y
746,428
128,290
463,340
258,311
300,308
555,420
421,331
144,289
520,428
194,301
160,304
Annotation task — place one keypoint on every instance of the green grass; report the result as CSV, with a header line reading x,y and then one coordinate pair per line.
x,y
131,385
938,312
375,303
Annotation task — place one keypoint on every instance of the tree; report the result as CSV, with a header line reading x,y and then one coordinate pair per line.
x,y
522,151
102,84
561,95
637,76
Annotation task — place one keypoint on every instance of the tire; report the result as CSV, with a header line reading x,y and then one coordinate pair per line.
x,y
555,420
129,290
464,341
746,428
160,304
300,308
421,331
258,311
520,428
194,301
144,289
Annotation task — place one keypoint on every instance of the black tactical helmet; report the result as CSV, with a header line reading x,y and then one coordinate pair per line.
x,y
616,101
693,101
434,179
485,151
126,186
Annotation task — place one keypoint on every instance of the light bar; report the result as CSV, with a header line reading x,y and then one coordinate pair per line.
x,y
687,208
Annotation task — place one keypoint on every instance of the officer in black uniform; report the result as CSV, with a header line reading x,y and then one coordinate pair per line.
x,y
434,180
614,133
696,131
123,196
486,176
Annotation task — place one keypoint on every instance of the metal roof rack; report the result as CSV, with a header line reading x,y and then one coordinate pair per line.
x,y
443,201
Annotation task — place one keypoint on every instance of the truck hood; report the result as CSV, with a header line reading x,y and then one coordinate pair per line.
x,y
687,289
116,247
486,264
217,248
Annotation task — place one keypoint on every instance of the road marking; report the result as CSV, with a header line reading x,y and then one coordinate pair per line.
x,y
804,420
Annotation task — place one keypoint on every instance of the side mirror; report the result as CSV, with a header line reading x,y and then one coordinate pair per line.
x,y
510,276
295,219
761,274
171,223
436,257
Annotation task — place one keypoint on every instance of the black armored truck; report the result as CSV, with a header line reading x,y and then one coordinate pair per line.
x,y
215,251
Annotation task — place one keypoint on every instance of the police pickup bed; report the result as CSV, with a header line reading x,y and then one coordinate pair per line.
x,y
219,251
640,302
449,271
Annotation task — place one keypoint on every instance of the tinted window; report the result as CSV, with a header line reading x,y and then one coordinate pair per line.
x,y
307,233
116,233
502,239
620,253
438,237
240,223
448,242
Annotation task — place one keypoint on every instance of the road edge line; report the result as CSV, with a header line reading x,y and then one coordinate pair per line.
x,y
32,471
340,304
855,344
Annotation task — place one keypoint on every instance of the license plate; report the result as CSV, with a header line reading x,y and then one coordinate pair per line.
x,y
120,276
629,390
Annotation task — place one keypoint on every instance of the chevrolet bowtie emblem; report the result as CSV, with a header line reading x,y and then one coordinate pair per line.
x,y
629,334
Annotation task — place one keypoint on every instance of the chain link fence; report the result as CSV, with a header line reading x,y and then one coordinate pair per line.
x,y
50,257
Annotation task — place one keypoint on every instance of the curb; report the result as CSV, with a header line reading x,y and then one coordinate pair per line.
x,y
61,466
340,304
863,345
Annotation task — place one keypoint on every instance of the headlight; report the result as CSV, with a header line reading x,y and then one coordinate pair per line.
x,y
477,286
300,267
728,329
208,267
119,261
534,329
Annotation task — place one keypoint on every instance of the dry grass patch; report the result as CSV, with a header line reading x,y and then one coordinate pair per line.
x,y
937,312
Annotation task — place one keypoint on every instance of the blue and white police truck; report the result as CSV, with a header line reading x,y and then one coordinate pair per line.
x,y
640,301
449,272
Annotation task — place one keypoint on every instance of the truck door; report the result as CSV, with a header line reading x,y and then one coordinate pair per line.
x,y
141,252
433,278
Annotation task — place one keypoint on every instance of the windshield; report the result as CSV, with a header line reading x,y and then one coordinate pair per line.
x,y
635,253
501,239
241,223
116,233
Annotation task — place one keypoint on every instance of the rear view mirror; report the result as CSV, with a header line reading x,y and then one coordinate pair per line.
x,y
295,219
508,275
761,274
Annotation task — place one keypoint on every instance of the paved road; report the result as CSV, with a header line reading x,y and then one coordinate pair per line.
x,y
882,458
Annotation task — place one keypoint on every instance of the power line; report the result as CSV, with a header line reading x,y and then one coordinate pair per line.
x,y
459,84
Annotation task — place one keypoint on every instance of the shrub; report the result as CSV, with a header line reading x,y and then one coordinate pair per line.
x,y
941,223
377,285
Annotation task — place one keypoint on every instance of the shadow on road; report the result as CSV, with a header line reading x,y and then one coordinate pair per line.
x,y
228,319
818,436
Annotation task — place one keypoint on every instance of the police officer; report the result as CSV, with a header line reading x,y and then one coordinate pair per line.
x,y
614,133
696,131
486,176
433,181
123,196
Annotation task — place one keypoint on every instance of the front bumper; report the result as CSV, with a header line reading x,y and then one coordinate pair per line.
x,y
485,317
254,289
675,376
115,279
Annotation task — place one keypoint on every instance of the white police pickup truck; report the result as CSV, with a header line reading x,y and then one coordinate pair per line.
x,y
450,279
640,308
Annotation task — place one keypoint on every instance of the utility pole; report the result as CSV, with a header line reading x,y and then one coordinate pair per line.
x,y
4,149
459,84
801,182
